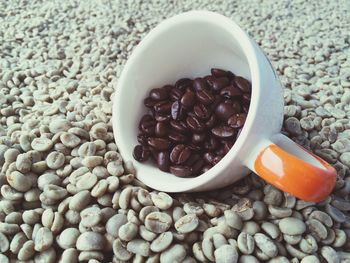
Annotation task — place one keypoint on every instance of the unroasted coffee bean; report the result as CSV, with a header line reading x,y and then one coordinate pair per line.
x,y
180,154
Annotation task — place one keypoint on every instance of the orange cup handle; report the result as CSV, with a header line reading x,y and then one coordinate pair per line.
x,y
295,170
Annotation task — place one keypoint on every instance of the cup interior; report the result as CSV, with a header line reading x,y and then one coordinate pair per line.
x,y
177,48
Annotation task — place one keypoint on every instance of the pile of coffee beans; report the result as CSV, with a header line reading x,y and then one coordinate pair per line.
x,y
193,124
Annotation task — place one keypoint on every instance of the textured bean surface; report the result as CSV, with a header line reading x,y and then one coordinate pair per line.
x,y
66,195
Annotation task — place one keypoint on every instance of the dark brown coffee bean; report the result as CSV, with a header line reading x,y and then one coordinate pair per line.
x,y
194,124
194,158
210,122
142,139
217,159
158,143
198,138
179,154
149,102
159,94
177,137
176,110
161,129
162,107
176,94
211,144
218,73
183,83
188,99
223,131
194,147
197,167
237,120
246,98
140,153
208,157
154,153
146,118
163,161
220,151
227,146
181,171
179,126
205,97
218,83
242,84
225,110
231,91
148,127
201,111
160,117
199,84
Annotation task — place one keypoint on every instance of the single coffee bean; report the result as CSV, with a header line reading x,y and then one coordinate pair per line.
x,y
161,129
179,126
220,150
194,148
188,99
162,107
140,153
198,138
160,117
181,171
231,91
180,154
223,131
246,98
145,118
227,145
197,166
183,83
201,111
158,143
159,94
177,137
142,139
199,84
176,110
205,97
211,122
149,102
208,157
219,83
153,153
194,124
218,73
225,110
211,144
176,94
163,161
148,127
237,120
242,84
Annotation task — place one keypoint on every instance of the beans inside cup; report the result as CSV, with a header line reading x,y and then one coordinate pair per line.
x,y
191,125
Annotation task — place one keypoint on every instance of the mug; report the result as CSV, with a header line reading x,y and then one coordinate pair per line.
x,y
189,45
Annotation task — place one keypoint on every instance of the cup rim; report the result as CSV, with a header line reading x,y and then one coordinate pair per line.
x,y
249,51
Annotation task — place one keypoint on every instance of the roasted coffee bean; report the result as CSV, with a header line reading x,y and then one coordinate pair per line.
x,y
205,97
198,138
218,83
140,153
181,171
194,147
161,129
201,111
223,131
162,117
237,120
242,84
163,161
179,126
158,143
188,99
142,139
218,73
154,153
183,83
145,118
159,94
210,122
211,144
176,110
208,157
148,127
149,102
163,107
217,159
231,91
176,94
180,154
199,84
206,168
220,151
227,145
177,137
194,124
226,109
246,98
197,166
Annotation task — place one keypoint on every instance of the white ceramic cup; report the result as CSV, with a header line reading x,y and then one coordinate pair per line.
x,y
189,45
